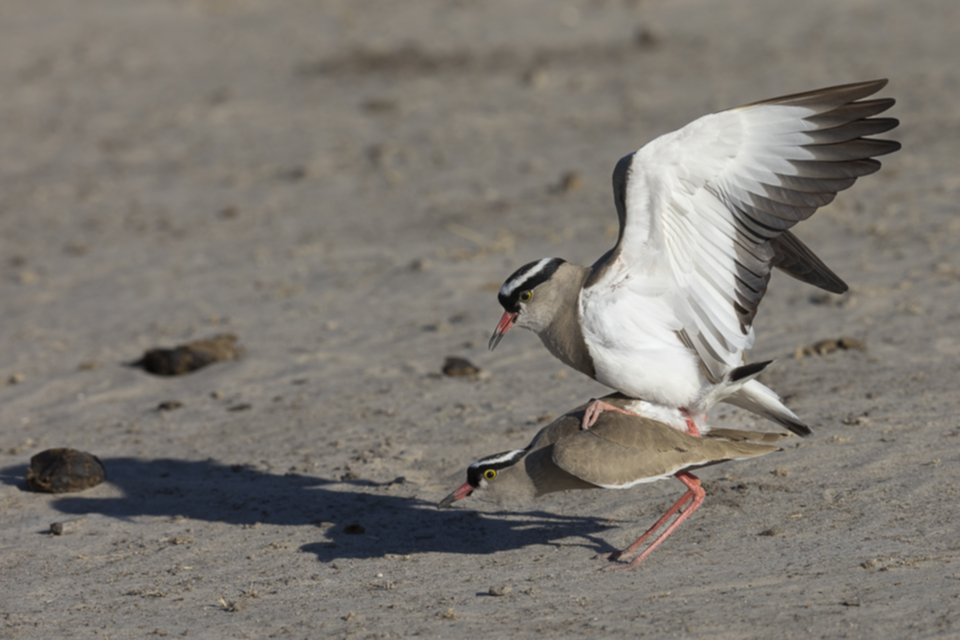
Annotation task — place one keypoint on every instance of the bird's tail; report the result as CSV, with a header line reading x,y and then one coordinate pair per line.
x,y
755,397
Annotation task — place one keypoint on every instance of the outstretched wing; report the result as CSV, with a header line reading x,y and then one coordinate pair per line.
x,y
708,207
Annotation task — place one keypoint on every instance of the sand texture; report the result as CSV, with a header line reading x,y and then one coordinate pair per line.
x,y
343,186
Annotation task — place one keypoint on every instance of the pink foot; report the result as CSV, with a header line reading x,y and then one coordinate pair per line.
x,y
694,492
692,428
593,411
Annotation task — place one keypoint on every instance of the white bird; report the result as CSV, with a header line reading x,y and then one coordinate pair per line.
x,y
666,316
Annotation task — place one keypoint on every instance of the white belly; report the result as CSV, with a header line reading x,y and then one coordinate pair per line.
x,y
641,356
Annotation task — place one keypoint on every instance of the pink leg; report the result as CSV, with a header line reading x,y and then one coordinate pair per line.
x,y
694,491
629,551
593,411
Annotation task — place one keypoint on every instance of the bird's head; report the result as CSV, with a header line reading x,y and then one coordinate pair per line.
x,y
483,473
528,298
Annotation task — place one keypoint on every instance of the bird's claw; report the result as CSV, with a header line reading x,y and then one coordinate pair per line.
x,y
593,411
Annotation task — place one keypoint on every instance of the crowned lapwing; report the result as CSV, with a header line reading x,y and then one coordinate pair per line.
x,y
705,212
618,452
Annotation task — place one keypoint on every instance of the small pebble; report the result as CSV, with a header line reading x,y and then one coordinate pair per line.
x,y
570,182
191,356
503,590
824,347
454,366
66,527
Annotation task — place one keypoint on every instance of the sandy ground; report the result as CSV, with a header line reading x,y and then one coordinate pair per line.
x,y
344,185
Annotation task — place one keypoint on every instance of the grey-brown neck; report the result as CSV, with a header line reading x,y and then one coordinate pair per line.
x,y
563,335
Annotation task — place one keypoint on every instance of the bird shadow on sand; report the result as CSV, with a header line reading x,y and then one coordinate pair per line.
x,y
354,518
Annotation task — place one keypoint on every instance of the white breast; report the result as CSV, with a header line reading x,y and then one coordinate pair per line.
x,y
639,354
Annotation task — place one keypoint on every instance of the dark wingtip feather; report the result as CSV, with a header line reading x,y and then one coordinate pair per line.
x,y
828,96
797,260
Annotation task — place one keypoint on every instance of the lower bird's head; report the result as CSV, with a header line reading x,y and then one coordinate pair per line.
x,y
482,473
524,300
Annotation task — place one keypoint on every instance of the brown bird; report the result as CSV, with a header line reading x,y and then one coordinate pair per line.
x,y
619,451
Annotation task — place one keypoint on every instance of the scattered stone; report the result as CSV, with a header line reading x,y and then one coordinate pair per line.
x,y
569,182
233,606
421,265
437,327
379,105
454,366
292,174
646,38
64,471
20,448
823,298
503,590
772,531
824,347
16,378
536,77
169,405
67,527
243,406
76,248
354,529
191,356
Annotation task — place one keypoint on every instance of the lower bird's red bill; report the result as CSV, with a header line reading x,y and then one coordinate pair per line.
x,y
461,493
506,321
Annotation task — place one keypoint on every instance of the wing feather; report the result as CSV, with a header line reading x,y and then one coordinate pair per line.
x,y
705,205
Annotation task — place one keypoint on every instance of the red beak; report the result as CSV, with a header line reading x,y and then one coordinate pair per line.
x,y
506,321
461,493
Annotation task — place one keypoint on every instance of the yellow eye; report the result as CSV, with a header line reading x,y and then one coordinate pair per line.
x,y
525,296
490,474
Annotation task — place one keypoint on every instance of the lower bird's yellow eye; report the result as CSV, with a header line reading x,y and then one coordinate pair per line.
x,y
525,296
490,474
